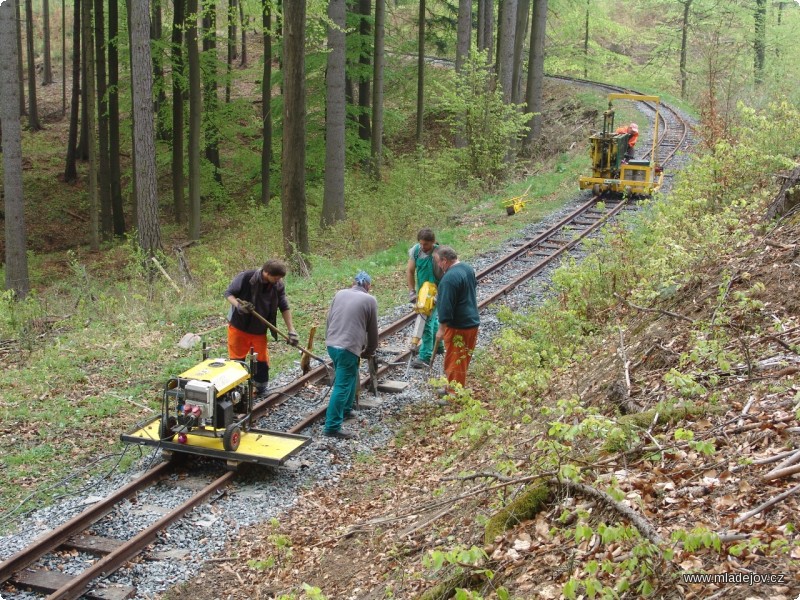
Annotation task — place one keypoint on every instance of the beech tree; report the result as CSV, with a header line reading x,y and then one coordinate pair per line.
x,y
16,237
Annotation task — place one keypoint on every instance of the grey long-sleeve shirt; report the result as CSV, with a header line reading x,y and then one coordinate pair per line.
x,y
353,321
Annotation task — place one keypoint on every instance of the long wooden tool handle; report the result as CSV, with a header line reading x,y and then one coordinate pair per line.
x,y
283,335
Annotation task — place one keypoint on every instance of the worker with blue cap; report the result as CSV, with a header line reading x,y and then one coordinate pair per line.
x,y
352,333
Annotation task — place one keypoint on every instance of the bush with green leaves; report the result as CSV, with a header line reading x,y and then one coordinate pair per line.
x,y
474,110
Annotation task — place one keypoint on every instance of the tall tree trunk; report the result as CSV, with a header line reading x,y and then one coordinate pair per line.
x,y
505,53
91,145
687,6
266,105
156,34
83,140
47,66
195,108
115,177
210,87
243,22
233,9
364,30
144,129
20,70
463,33
480,30
293,184
533,92
377,90
333,209
488,34
231,47
33,112
421,71
760,40
520,35
14,205
178,74
463,44
134,194
104,188
586,43
70,168
63,58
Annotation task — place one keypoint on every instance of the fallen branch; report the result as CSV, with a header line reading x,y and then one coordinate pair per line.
x,y
781,473
769,503
638,521
480,475
653,310
165,274
779,245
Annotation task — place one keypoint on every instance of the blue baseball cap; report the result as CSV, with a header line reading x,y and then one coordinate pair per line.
x,y
362,277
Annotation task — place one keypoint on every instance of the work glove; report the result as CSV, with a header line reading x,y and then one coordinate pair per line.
x,y
245,307
412,297
367,355
294,339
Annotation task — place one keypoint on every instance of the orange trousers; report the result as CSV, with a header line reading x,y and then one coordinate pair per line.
x,y
458,347
240,342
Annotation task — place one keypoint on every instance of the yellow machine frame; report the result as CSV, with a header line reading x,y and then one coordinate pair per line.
x,y
609,172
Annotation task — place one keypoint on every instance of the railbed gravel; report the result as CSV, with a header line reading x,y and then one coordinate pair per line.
x,y
260,493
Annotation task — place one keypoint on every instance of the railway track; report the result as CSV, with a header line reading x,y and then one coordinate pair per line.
x,y
298,404
23,570
508,271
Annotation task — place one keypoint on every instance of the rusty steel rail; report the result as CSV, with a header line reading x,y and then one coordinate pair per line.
x,y
53,539
80,584
74,587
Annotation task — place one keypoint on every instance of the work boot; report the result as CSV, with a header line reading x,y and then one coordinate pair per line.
x,y
342,434
261,389
352,414
418,364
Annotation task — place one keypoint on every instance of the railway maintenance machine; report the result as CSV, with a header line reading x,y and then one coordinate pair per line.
x,y
208,411
611,170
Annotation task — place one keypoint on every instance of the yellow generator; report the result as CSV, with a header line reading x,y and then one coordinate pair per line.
x,y
212,399
612,170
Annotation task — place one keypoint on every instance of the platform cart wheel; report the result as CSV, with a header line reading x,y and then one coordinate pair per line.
x,y
165,432
232,437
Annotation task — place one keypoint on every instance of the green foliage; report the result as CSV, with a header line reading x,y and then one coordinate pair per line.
x,y
475,111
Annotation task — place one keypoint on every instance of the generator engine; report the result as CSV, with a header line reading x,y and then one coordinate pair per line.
x,y
213,399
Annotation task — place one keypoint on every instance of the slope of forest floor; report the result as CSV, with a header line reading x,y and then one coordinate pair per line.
x,y
391,528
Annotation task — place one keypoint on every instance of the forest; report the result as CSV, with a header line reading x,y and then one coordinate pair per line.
x,y
347,97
